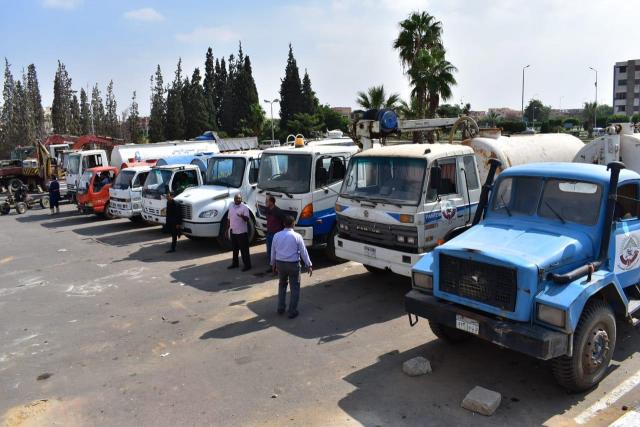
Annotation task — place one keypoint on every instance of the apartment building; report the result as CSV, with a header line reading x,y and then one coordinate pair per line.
x,y
626,87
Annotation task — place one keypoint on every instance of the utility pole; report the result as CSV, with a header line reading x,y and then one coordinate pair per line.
x,y
595,105
271,105
522,107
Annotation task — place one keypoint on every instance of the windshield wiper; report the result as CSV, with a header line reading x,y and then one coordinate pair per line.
x,y
504,205
546,202
383,201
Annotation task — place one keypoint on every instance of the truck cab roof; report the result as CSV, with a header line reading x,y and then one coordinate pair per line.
x,y
575,171
312,148
245,154
177,167
420,151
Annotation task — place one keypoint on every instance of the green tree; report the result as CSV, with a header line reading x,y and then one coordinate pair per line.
x,y
133,121
536,110
309,100
6,113
158,114
432,75
375,98
245,93
449,110
35,102
219,89
493,118
75,126
61,106
229,103
588,112
307,124
112,125
85,113
209,90
22,127
617,118
290,92
409,110
196,114
635,118
174,129
253,124
97,112
331,119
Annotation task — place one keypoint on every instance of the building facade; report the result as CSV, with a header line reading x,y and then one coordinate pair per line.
x,y
626,87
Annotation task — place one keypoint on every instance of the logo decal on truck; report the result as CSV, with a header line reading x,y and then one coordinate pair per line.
x,y
627,252
448,210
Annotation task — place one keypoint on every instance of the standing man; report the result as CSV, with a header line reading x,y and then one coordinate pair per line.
x,y
54,195
174,220
239,217
286,250
274,224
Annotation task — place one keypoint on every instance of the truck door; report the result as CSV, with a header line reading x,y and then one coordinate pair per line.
x,y
136,185
184,179
446,207
329,172
626,239
249,191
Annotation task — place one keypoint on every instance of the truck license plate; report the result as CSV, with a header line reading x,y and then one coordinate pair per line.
x,y
370,252
467,325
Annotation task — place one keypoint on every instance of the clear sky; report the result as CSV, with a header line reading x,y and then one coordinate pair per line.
x,y
346,45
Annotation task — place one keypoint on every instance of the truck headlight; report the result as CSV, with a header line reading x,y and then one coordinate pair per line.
x,y
411,240
136,206
208,214
400,238
551,315
342,226
422,281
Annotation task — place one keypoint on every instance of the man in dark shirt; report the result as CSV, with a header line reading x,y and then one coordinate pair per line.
x,y
174,221
54,195
275,220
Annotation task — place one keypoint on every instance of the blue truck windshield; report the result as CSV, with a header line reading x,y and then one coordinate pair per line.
x,y
555,199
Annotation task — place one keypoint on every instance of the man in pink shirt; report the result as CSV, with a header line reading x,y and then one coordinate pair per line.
x,y
239,217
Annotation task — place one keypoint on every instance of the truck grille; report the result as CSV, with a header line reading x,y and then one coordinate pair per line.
x,y
379,234
262,212
486,283
186,211
152,211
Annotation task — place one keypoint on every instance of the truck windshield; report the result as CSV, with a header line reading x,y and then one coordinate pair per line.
x,y
289,173
73,164
550,198
158,181
85,180
227,172
123,180
393,179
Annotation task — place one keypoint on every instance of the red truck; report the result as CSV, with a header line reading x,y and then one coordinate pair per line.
x,y
93,191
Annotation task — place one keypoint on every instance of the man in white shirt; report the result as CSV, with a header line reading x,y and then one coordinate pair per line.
x,y
238,219
287,249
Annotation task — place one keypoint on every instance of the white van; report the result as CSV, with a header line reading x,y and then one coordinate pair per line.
x,y
125,195
161,179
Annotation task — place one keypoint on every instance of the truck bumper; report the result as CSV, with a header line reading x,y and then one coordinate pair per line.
x,y
201,229
123,213
533,340
375,256
154,219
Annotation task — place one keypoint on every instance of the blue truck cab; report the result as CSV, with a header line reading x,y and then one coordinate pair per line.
x,y
551,264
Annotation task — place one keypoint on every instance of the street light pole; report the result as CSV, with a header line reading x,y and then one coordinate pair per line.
x,y
522,107
595,105
271,105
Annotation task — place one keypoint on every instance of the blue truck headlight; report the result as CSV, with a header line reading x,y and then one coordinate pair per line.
x,y
551,315
208,214
400,238
423,282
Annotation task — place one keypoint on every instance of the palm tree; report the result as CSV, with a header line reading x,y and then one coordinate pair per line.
x,y
375,98
588,113
431,75
420,31
493,118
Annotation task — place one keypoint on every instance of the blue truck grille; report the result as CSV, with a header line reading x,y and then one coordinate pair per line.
x,y
486,283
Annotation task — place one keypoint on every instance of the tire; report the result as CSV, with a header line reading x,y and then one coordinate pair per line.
x,y
445,333
21,207
136,219
15,184
376,270
593,343
5,208
106,214
44,202
194,238
330,249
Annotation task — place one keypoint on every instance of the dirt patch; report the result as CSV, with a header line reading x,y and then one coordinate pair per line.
x,y
26,415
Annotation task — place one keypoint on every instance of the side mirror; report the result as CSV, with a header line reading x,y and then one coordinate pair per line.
x,y
435,177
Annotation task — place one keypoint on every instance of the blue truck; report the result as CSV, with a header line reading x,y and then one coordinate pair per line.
x,y
550,265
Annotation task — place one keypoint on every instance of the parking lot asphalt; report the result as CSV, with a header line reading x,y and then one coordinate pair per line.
x,y
99,326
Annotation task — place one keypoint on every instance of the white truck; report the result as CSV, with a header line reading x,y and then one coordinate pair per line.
x,y
80,161
305,179
399,202
161,179
129,153
205,208
619,144
125,195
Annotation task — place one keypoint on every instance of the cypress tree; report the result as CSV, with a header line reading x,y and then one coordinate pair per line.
x,y
175,113
309,100
111,117
158,115
35,102
196,113
229,100
75,126
22,130
133,125
245,93
6,113
290,92
220,87
85,113
61,106
97,112
209,90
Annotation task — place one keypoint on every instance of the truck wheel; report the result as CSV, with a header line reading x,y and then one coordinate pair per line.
x,y
21,207
106,214
330,250
448,334
593,343
44,202
15,184
5,208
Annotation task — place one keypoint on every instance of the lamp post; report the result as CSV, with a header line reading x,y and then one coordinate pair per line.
x,y
522,107
271,105
595,105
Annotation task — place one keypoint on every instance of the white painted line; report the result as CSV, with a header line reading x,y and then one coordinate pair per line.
x,y
630,419
609,399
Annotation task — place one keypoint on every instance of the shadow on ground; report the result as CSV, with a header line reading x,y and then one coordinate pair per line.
x,y
329,311
530,395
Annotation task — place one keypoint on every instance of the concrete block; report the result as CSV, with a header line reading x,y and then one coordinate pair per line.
x,y
482,401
